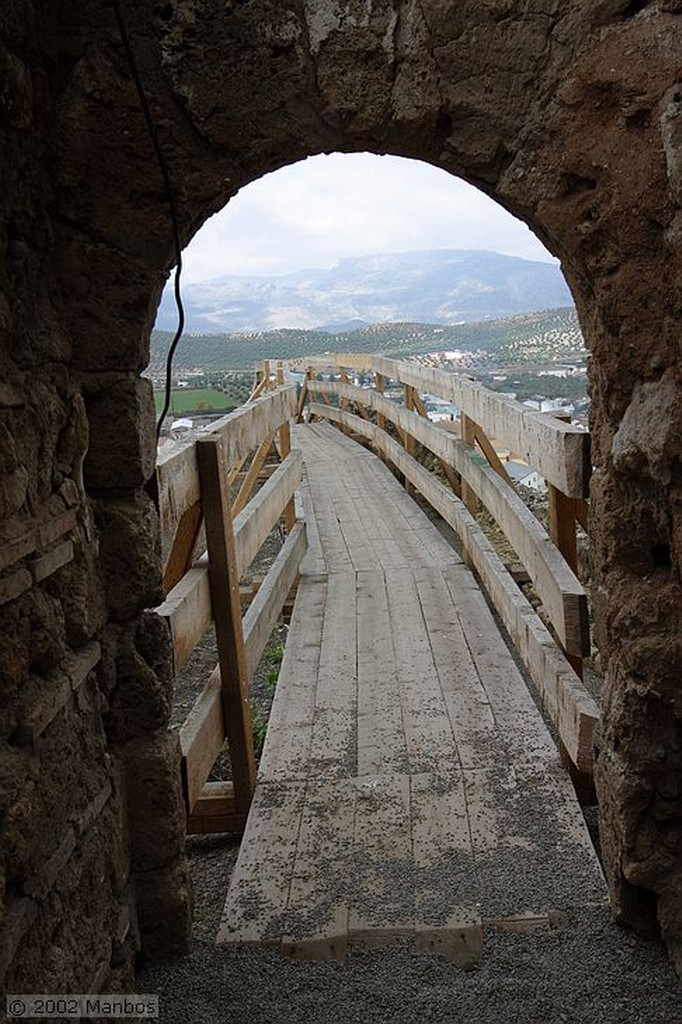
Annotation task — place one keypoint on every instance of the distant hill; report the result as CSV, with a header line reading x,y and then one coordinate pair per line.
x,y
439,286
546,336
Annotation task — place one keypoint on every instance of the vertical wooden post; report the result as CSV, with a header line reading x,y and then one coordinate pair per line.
x,y
410,443
448,471
284,449
563,533
408,440
266,373
303,396
469,496
343,404
563,513
380,385
562,523
224,582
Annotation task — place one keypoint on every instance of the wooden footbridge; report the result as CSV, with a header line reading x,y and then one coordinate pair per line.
x,y
409,787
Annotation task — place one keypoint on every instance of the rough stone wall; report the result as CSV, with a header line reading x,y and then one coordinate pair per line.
x,y
92,820
568,113
605,185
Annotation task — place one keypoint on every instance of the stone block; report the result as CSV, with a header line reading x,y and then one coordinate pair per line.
x,y
648,437
130,554
94,279
74,440
89,814
19,916
47,627
122,452
81,591
16,543
56,527
139,699
153,794
8,450
11,397
13,491
38,886
48,563
164,907
13,586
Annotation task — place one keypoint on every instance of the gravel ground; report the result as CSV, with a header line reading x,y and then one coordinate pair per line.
x,y
588,970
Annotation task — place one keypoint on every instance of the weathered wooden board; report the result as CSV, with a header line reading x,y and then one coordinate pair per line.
x,y
428,731
287,743
243,430
188,611
253,525
382,911
333,743
382,746
215,811
181,552
443,862
317,925
266,608
468,705
259,888
226,604
202,736
313,563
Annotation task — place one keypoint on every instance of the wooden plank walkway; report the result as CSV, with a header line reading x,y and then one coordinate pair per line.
x,y
408,787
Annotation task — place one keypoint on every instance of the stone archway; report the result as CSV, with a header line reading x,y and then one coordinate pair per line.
x,y
568,114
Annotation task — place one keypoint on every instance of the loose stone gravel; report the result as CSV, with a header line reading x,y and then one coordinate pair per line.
x,y
587,970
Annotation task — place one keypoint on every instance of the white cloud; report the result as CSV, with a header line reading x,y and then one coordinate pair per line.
x,y
313,213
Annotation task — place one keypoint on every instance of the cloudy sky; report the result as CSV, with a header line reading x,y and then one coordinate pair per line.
x,y
315,212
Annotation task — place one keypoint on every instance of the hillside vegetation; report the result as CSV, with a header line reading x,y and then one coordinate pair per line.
x,y
543,337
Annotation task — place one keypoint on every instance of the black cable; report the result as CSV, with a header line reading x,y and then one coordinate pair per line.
x,y
170,197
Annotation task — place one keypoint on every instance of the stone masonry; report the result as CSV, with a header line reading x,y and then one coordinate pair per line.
x,y
569,113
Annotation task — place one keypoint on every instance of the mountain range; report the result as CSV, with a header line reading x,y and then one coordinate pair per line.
x,y
437,286
529,338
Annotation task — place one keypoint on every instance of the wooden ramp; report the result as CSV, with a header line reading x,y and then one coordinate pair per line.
x,y
408,786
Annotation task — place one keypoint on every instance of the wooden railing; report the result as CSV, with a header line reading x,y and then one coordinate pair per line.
x,y
194,486
558,450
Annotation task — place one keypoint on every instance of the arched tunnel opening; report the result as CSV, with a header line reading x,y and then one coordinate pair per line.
x,y
581,145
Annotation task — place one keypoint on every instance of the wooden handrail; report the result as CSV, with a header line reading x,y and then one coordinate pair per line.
x,y
177,470
559,451
188,607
